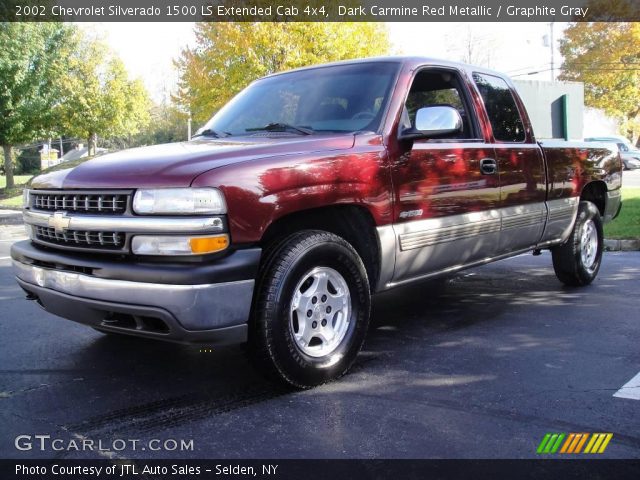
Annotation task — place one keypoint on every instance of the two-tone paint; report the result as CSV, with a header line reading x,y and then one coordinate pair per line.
x,y
435,209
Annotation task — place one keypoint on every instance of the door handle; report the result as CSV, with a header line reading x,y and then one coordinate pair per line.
x,y
488,166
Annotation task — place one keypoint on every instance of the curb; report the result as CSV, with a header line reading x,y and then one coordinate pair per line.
x,y
12,233
611,245
10,217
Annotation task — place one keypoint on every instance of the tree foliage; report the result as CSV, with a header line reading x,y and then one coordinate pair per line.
x,y
97,97
167,124
228,56
606,57
32,60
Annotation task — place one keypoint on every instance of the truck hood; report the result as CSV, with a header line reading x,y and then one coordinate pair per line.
x,y
177,164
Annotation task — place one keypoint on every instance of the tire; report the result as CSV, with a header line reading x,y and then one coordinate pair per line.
x,y
577,261
311,310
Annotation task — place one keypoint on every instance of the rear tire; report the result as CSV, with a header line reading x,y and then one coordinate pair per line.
x,y
577,261
311,311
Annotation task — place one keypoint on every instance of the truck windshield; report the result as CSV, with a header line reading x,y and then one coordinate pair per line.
x,y
341,98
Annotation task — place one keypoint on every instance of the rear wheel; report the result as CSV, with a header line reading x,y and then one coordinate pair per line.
x,y
312,309
577,261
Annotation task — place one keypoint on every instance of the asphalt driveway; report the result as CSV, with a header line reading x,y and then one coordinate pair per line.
x,y
478,365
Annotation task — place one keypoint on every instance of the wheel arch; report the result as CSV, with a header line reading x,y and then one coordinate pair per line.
x,y
354,223
596,193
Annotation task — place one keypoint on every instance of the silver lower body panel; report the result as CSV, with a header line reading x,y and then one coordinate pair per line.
x,y
195,307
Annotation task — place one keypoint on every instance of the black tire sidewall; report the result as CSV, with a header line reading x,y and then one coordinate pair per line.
x,y
588,212
294,365
567,258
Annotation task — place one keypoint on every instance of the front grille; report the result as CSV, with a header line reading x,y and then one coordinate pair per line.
x,y
82,239
82,202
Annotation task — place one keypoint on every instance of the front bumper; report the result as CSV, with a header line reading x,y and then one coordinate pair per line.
x,y
215,312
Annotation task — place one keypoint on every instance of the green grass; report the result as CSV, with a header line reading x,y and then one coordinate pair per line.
x,y
12,198
627,225
18,179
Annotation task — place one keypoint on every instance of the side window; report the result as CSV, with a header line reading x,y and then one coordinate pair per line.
x,y
432,87
501,107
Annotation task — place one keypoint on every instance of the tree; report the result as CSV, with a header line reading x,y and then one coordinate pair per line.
x,y
228,55
97,97
32,60
168,124
606,57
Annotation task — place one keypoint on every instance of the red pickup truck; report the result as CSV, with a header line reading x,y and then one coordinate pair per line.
x,y
310,191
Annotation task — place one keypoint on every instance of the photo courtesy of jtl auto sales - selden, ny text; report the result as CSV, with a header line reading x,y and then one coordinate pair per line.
x,y
320,239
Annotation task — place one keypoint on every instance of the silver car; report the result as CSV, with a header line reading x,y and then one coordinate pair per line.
x,y
629,154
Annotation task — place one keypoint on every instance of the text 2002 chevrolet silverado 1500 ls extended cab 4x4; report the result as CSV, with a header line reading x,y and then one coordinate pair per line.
x,y
308,192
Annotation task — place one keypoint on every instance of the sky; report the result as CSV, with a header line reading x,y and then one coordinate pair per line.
x,y
148,49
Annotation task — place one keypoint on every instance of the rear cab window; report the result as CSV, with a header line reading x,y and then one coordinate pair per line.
x,y
504,116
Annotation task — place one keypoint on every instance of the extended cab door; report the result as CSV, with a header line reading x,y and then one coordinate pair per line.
x,y
520,162
446,189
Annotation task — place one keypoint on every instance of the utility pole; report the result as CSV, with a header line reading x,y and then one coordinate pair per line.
x,y
551,47
189,127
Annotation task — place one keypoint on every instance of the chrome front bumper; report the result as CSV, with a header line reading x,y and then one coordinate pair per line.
x,y
190,313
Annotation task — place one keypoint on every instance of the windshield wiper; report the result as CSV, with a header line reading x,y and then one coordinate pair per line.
x,y
211,133
281,127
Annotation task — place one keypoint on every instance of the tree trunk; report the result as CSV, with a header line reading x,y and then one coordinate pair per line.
x,y
91,144
8,166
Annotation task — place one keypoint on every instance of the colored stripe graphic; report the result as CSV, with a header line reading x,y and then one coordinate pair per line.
x,y
543,443
582,442
605,443
568,443
591,443
556,445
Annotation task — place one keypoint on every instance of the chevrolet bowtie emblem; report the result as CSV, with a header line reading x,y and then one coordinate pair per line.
x,y
59,221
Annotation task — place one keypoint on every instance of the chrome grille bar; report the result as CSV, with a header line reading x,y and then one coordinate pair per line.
x,y
158,225
80,202
80,239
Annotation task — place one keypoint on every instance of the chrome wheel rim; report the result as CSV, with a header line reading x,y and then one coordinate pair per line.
x,y
589,244
320,311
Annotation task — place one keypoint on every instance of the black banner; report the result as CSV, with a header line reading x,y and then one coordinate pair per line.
x,y
320,469
320,10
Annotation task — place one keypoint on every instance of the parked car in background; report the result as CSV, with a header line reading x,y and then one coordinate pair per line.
x,y
629,154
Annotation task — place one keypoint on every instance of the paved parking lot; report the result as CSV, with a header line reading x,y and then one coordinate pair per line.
x,y
479,365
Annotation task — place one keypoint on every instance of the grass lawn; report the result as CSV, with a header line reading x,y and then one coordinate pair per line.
x,y
18,179
12,198
627,225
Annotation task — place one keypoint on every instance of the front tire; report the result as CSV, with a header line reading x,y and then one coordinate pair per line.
x,y
577,261
312,309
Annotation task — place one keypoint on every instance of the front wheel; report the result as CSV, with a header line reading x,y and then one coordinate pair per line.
x,y
312,309
577,261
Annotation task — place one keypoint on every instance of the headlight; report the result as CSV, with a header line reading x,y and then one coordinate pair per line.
x,y
173,245
25,198
179,201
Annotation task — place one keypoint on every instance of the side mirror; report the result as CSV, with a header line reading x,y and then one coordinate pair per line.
x,y
432,122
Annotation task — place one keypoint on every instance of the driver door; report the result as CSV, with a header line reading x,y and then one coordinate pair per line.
x,y
447,189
